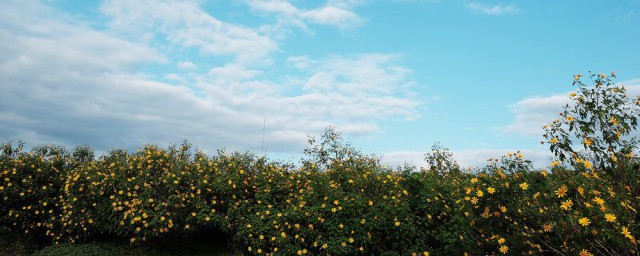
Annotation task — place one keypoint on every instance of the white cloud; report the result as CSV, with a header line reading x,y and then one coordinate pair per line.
x,y
48,40
333,13
498,9
274,6
370,73
68,84
174,77
300,62
186,65
532,113
233,72
185,24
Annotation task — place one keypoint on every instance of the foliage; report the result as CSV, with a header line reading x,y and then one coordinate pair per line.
x,y
13,243
440,159
340,201
599,117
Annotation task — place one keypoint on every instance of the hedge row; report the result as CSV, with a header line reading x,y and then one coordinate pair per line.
x,y
348,205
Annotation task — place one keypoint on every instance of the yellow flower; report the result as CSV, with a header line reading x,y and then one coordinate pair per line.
x,y
474,200
491,190
480,193
546,227
425,253
501,240
626,233
581,190
598,200
351,240
503,209
562,191
610,217
570,118
572,94
397,223
584,252
555,163
553,141
613,120
504,249
588,141
584,221
474,180
566,205
524,186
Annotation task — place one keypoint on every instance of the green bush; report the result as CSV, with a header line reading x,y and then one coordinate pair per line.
x,y
342,202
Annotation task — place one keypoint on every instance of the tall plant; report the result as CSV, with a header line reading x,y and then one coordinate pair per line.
x,y
595,126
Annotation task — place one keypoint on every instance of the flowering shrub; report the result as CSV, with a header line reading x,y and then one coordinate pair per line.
x,y
342,202
30,186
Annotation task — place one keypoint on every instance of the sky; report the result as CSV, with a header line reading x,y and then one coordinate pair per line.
x,y
480,77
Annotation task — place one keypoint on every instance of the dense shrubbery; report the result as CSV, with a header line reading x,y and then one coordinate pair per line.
x,y
340,201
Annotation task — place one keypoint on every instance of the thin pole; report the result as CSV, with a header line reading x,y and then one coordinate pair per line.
x,y
263,128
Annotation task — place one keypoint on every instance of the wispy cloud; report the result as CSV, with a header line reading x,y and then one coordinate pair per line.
x,y
69,84
498,9
532,113
332,13
186,65
185,24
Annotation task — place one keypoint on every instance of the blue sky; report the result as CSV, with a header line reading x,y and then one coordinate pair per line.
x,y
394,76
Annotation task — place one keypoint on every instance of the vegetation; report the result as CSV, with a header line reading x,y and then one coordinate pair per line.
x,y
342,202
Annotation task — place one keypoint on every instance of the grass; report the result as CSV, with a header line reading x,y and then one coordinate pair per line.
x,y
204,244
12,243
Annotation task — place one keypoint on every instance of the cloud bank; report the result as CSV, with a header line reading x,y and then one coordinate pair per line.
x,y
68,83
